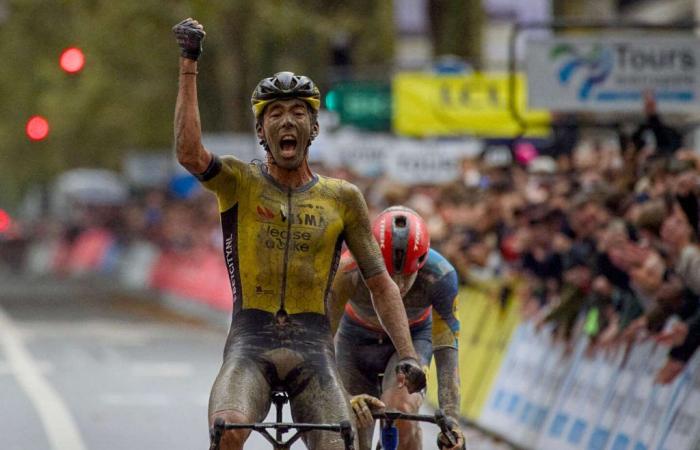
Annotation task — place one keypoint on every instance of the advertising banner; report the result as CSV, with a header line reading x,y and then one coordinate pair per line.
x,y
606,74
363,153
681,430
417,162
407,161
427,104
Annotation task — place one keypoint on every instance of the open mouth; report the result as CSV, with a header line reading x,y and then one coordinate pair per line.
x,y
288,146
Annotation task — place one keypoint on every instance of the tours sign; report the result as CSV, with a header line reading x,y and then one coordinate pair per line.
x,y
612,74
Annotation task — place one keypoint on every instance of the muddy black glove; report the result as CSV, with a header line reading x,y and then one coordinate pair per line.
x,y
457,436
189,34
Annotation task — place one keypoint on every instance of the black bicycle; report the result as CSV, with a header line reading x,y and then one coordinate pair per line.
x,y
280,398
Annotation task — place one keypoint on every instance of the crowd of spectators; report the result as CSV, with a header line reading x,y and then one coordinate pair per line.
x,y
599,238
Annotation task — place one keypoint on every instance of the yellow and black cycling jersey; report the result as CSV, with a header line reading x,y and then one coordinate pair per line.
x,y
282,245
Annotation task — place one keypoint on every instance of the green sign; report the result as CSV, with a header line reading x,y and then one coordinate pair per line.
x,y
363,104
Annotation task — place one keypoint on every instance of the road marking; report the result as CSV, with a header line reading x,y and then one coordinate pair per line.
x,y
61,430
43,366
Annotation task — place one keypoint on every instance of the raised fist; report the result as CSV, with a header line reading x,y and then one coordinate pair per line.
x,y
189,34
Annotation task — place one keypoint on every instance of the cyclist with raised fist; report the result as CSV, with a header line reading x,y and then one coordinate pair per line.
x,y
283,228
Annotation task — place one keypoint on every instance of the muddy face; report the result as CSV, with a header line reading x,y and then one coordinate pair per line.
x,y
287,128
404,282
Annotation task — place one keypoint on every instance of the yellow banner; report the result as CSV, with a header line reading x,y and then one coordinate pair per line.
x,y
426,104
485,331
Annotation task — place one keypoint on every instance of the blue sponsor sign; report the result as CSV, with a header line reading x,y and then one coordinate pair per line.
x,y
613,74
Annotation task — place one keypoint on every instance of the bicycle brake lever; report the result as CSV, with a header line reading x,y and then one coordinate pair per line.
x,y
347,434
216,432
441,421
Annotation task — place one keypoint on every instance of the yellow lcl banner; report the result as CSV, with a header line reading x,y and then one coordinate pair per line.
x,y
426,104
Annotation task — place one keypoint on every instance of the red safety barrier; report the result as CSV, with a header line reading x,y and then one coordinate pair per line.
x,y
197,274
86,254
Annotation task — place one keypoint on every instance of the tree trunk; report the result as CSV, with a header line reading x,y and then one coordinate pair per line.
x,y
456,28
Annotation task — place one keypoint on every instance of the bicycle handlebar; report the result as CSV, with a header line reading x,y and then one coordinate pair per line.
x,y
344,428
284,427
438,419
398,415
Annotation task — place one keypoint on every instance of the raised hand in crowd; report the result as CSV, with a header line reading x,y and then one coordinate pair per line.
x,y
636,329
675,335
685,183
628,255
669,371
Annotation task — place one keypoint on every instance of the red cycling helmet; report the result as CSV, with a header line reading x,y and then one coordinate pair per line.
x,y
403,239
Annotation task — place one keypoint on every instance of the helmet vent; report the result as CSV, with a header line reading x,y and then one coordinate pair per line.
x,y
400,222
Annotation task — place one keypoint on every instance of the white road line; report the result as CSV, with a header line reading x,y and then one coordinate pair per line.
x,y
58,422
43,366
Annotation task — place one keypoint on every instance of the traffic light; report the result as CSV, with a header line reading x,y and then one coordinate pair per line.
x,y
37,128
5,221
332,100
72,60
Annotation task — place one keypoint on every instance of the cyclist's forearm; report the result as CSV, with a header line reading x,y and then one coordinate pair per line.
x,y
390,310
447,364
188,133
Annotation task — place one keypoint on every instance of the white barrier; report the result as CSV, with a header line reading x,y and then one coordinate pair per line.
x,y
136,264
546,399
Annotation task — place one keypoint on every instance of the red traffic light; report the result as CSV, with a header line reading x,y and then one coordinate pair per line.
x,y
72,60
37,128
5,221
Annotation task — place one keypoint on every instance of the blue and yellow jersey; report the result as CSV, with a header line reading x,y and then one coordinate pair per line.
x,y
432,296
282,245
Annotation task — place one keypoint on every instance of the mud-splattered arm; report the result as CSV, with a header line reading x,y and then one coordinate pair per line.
x,y
190,152
447,365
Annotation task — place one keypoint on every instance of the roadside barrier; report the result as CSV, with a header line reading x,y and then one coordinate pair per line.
x,y
541,395
196,274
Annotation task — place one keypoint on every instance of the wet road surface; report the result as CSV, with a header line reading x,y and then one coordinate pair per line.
x,y
84,366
